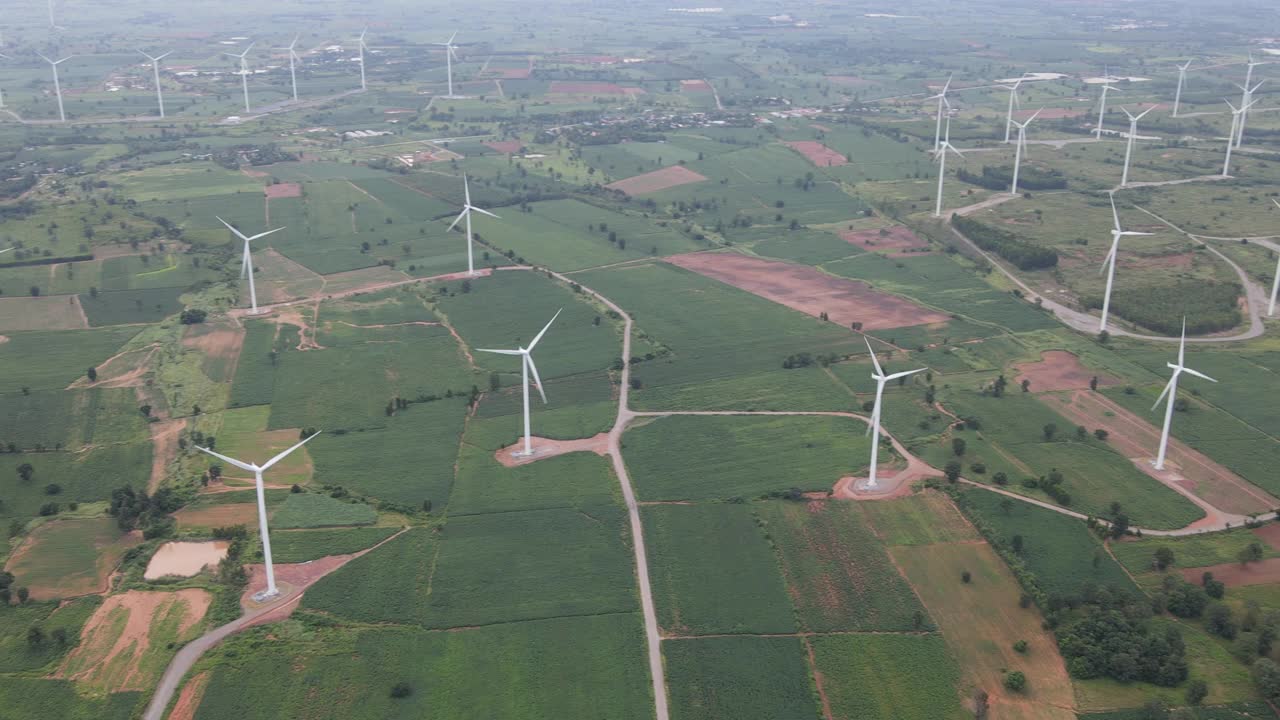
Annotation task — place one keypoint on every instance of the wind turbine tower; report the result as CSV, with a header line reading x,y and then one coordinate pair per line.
x,y
1021,148
527,366
246,262
257,470
1236,114
1171,390
874,428
1182,78
57,86
155,67
1133,132
467,209
4,57
1102,107
362,48
293,72
244,74
1244,100
1275,281
1109,263
450,54
1013,102
942,102
942,164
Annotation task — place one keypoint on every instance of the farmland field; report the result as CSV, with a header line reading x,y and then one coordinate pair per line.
x,y
748,677
888,677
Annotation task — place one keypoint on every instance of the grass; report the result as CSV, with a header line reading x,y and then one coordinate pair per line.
x,y
921,519
296,546
685,458
69,557
63,356
386,585
981,620
1189,551
308,510
72,419
123,307
748,678
16,654
484,485
888,677
1235,711
838,573
39,697
552,669
713,571
1059,550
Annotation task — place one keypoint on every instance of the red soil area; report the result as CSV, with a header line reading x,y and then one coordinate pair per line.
x,y
1270,534
1051,113
509,147
1060,370
694,86
545,448
899,238
190,697
510,73
1234,574
652,182
804,288
817,153
283,190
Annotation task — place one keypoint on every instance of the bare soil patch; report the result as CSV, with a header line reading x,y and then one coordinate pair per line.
x,y
125,369
111,656
898,237
546,448
51,563
283,190
1270,534
694,86
1136,438
217,515
1060,370
354,280
652,182
810,291
185,559
280,279
509,147
52,312
817,153
1261,572
1052,113
190,697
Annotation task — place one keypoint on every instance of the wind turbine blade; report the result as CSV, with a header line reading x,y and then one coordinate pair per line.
x,y
262,235
1115,215
874,361
1034,115
294,44
952,148
245,259
947,86
285,454
485,212
1128,233
232,229
451,37
904,373
1127,113
5,250
1277,202
1144,112
534,369
500,352
458,219
1198,374
224,458
1164,392
1182,345
538,337
1111,254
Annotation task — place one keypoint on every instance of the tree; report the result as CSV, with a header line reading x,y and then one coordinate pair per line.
x,y
1026,385
23,594
1213,588
1016,543
952,471
1006,506
1020,647
1049,431
1101,434
1015,681
92,374
1251,553
35,637
1093,383
1000,478
1197,691
981,704
193,316
1119,525
1266,675
1163,557
965,577
26,472
957,446
1082,432
1220,621
401,690
145,410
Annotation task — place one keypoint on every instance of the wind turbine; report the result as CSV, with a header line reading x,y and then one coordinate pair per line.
x,y
1102,108
362,48
942,164
450,54
1109,263
467,209
527,366
293,73
942,100
5,57
1231,136
257,471
57,86
1275,281
1022,145
1013,102
1244,113
1182,78
1128,149
6,250
244,73
1172,391
874,428
246,261
52,25
155,66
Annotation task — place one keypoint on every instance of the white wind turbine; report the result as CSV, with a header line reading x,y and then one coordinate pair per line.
x,y
257,471
155,67
1022,146
246,261
1275,281
5,57
942,101
1244,113
874,428
467,209
450,54
1172,391
362,47
942,164
1109,263
52,25
1182,78
1133,132
527,366
5,250
1102,108
1236,114
57,86
1013,102
244,73
293,73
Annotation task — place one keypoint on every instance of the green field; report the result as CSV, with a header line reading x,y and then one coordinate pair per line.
x,y
748,677
308,510
888,677
295,546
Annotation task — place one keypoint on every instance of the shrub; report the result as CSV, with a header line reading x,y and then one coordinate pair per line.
x,y
1015,681
401,690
